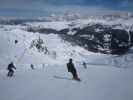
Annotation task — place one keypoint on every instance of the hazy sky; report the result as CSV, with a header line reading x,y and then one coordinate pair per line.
x,y
42,7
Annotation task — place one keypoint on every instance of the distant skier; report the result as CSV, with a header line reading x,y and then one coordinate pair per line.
x,y
10,69
71,68
32,66
16,41
85,65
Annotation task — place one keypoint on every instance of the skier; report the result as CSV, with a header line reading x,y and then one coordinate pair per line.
x,y
32,66
71,68
10,69
84,64
16,41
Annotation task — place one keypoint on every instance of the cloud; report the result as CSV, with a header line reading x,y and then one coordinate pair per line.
x,y
51,6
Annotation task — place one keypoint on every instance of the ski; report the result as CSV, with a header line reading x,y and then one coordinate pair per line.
x,y
66,78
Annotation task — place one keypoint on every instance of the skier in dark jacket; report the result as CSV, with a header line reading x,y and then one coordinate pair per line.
x,y
85,65
32,66
10,69
71,68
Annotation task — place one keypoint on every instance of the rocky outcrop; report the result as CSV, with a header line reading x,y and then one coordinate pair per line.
x,y
96,38
101,38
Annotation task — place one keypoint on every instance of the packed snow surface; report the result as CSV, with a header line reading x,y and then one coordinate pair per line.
x,y
98,83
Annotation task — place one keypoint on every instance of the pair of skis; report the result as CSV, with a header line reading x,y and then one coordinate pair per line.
x,y
66,78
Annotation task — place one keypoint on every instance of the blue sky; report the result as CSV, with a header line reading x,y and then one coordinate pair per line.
x,y
37,7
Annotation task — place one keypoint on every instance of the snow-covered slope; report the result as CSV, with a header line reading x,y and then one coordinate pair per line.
x,y
102,80
21,53
54,82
